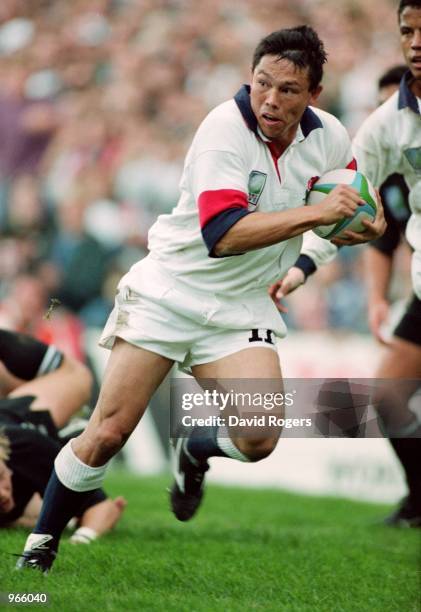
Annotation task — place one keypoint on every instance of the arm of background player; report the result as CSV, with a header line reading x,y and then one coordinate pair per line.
x,y
378,260
71,375
31,367
378,268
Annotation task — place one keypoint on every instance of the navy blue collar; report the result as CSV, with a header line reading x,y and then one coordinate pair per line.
x,y
406,98
309,122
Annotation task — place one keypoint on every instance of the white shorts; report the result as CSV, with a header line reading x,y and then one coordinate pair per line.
x,y
164,316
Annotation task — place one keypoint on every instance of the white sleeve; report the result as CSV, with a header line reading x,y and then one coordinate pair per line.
x,y
216,171
340,154
320,250
372,152
217,159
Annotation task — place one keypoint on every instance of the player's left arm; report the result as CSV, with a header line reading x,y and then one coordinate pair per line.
x,y
322,252
365,163
294,278
317,251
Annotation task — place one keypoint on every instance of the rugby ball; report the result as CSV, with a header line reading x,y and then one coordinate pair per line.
x,y
324,185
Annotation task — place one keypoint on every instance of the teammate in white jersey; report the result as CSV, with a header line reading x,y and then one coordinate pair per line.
x,y
200,297
389,141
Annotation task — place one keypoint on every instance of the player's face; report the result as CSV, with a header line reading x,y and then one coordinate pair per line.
x,y
279,96
410,27
7,502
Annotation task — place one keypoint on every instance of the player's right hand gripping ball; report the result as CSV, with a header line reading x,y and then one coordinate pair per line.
x,y
324,185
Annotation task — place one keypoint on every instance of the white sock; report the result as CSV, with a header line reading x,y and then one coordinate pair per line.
x,y
228,447
75,474
84,535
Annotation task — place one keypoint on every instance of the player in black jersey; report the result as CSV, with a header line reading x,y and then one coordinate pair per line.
x,y
40,390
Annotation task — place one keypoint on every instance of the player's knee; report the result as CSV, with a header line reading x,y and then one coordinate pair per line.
x,y
110,437
257,449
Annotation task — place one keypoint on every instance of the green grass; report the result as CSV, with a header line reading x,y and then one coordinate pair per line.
x,y
247,550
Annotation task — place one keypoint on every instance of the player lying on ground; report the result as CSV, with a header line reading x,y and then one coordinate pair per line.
x,y
200,296
40,390
388,142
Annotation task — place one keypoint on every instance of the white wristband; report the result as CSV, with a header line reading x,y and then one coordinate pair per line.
x,y
84,535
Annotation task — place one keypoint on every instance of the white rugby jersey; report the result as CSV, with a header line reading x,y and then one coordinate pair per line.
x,y
231,171
388,141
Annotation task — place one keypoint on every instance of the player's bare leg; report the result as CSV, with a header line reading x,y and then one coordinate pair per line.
x,y
132,376
250,364
191,454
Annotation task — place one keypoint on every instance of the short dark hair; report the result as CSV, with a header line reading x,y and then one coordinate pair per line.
x,y
300,45
404,3
393,76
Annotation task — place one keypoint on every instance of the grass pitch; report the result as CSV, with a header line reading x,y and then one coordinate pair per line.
x,y
247,550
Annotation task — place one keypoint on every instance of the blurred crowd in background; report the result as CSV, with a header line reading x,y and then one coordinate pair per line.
x,y
98,103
